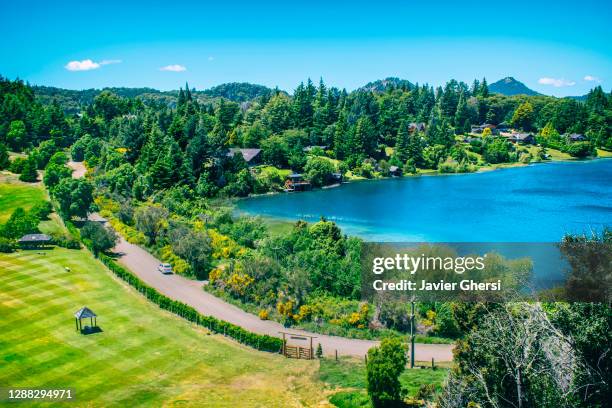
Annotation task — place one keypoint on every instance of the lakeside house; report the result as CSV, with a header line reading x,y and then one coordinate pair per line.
x,y
251,156
296,182
414,126
522,138
395,171
478,129
576,137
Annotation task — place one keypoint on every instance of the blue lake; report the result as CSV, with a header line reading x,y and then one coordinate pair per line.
x,y
536,203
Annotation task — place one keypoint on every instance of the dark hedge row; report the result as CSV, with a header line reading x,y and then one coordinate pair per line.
x,y
257,341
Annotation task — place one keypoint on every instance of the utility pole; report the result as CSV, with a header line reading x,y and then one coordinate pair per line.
x,y
412,334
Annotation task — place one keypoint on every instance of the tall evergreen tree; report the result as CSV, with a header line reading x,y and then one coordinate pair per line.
x,y
402,142
484,88
462,115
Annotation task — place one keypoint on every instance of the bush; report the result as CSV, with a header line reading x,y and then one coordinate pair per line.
x,y
41,210
66,241
102,239
580,149
28,171
17,165
6,245
384,366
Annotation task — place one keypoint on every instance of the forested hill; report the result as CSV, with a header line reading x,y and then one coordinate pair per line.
x,y
510,86
72,100
383,85
238,91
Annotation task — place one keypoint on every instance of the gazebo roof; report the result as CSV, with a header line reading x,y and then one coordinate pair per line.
x,y
84,313
35,238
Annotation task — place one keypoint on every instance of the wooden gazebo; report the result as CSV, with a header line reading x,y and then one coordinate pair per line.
x,y
34,241
85,313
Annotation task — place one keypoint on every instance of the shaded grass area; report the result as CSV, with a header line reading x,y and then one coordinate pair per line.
x,y
15,194
348,377
142,357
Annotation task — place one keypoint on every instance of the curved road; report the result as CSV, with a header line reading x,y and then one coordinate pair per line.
x,y
190,292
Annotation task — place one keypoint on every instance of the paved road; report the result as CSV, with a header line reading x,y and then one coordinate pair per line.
x,y
188,291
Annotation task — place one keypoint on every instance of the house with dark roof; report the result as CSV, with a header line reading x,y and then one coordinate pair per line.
x,y
395,171
523,138
296,182
576,137
414,126
251,156
34,240
478,129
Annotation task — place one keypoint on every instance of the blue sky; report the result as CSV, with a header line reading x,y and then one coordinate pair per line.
x,y
550,46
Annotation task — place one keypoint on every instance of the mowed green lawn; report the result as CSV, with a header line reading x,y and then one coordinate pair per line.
x,y
17,194
143,357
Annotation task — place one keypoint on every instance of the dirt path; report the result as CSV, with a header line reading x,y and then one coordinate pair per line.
x,y
190,292
78,169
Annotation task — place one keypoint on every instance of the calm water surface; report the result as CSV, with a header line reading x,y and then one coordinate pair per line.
x,y
538,203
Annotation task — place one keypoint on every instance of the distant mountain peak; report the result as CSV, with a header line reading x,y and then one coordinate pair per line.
x,y
510,86
382,85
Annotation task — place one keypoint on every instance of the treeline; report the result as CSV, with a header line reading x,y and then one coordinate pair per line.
x,y
147,148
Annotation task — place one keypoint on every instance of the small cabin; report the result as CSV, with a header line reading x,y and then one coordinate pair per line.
x,y
418,127
395,171
478,129
296,182
251,156
576,137
522,138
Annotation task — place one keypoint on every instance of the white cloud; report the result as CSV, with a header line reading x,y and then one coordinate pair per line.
x,y
84,65
556,82
591,78
174,68
88,65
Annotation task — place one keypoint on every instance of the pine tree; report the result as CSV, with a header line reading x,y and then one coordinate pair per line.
x,y
484,88
181,99
187,92
340,137
402,142
475,90
461,114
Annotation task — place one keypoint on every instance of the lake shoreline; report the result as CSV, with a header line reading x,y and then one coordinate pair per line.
x,y
535,204
432,173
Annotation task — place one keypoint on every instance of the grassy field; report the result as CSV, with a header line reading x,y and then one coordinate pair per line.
x,y
143,357
14,193
347,377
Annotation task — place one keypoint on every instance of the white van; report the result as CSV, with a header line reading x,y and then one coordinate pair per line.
x,y
165,268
